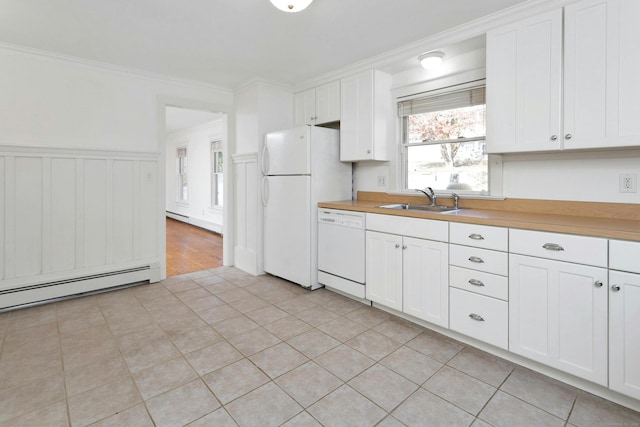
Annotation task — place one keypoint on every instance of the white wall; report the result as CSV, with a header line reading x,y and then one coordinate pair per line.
x,y
580,176
198,207
56,103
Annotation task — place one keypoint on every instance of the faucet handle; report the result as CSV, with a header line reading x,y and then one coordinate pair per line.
x,y
456,199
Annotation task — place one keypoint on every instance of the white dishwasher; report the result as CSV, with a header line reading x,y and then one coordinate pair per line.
x,y
341,256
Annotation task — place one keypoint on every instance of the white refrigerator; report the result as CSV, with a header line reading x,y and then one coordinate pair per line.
x,y
300,168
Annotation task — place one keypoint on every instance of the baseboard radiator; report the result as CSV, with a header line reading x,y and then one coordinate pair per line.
x,y
41,293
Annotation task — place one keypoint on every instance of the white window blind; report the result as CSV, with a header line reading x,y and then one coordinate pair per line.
x,y
448,101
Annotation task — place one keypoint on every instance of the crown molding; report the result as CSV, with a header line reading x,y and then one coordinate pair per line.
x,y
474,28
260,81
116,69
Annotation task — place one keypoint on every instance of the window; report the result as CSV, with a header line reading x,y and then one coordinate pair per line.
x,y
181,171
444,140
216,174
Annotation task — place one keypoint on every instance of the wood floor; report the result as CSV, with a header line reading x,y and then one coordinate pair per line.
x,y
191,248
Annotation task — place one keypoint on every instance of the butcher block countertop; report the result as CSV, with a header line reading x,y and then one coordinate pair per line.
x,y
608,220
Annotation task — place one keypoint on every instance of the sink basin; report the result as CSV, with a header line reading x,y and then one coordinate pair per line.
x,y
417,207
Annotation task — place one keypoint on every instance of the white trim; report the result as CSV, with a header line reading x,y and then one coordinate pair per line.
x,y
28,151
116,69
244,158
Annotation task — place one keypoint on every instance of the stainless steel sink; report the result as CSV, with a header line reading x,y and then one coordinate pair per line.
x,y
418,207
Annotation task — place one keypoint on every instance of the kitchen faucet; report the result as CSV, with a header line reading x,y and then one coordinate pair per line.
x,y
430,194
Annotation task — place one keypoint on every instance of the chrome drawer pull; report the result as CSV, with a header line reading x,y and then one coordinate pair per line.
x,y
615,288
553,247
476,259
598,284
476,282
476,236
476,317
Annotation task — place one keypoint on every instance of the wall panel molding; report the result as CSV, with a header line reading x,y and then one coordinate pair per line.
x,y
66,214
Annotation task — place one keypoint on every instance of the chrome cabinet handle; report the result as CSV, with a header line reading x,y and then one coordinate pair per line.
x,y
568,136
598,284
476,317
368,151
554,137
553,247
397,245
615,288
476,259
476,236
475,282
404,246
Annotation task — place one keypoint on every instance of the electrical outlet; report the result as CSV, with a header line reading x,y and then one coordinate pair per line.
x,y
382,181
628,183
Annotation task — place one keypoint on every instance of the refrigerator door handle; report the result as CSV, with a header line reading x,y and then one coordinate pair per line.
x,y
264,161
264,193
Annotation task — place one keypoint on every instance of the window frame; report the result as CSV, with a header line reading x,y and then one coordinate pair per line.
x,y
494,162
182,174
217,186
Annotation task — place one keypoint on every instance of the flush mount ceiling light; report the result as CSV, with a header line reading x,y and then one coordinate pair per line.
x,y
431,60
291,5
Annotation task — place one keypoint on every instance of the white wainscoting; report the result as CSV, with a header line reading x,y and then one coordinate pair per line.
x,y
247,212
73,215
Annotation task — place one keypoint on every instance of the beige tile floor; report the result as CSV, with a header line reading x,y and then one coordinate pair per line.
x,y
222,348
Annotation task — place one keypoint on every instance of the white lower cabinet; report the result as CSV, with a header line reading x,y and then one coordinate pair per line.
x,y
405,273
425,266
624,340
384,269
558,315
624,318
559,305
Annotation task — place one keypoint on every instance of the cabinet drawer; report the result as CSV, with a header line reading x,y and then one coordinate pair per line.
x,y
480,236
479,259
491,285
560,247
624,256
480,317
411,227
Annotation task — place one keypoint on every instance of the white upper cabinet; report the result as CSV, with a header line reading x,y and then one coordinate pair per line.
x,y
365,125
524,63
319,105
550,89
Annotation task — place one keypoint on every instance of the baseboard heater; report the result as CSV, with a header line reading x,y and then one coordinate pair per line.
x,y
40,293
177,216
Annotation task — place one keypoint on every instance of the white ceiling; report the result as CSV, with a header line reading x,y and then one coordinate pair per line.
x,y
229,42
178,119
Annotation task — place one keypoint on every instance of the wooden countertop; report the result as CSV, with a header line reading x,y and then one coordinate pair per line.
x,y
608,220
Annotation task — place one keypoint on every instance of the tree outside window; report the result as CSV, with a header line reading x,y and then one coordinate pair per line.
x,y
444,145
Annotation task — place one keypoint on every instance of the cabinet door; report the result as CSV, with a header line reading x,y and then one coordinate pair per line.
x,y
558,315
305,108
523,85
624,340
588,51
627,58
425,274
356,124
328,103
384,269
602,64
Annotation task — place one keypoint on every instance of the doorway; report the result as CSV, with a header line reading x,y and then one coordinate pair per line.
x,y
194,195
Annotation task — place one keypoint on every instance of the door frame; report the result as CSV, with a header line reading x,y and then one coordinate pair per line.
x,y
228,136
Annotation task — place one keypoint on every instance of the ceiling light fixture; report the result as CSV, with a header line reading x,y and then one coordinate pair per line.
x,y
431,60
291,5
